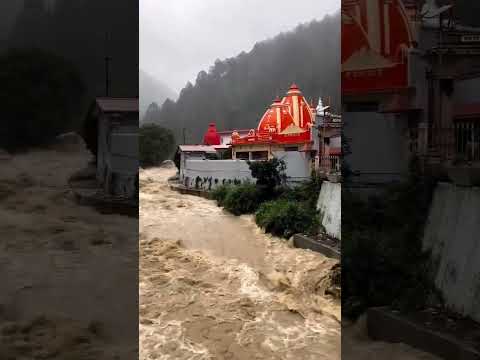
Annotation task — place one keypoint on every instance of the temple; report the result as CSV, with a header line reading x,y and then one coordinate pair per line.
x,y
305,137
409,80
285,126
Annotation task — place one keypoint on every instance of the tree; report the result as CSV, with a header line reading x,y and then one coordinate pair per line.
x,y
152,113
156,144
42,96
269,175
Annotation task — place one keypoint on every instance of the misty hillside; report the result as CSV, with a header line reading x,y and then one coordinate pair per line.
x,y
151,91
235,92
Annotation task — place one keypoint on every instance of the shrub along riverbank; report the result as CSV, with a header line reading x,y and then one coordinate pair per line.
x,y
280,210
382,256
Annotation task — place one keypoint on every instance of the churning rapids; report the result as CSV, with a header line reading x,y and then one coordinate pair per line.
x,y
214,286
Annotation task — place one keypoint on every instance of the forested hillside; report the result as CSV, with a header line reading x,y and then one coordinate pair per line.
x,y
235,92
151,91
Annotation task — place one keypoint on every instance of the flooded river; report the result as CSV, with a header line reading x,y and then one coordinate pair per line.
x,y
63,265
214,286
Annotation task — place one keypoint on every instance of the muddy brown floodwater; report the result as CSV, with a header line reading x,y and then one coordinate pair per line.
x,y
62,265
214,286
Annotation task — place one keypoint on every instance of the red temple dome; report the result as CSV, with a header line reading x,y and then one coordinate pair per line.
x,y
286,121
276,119
211,137
294,89
299,107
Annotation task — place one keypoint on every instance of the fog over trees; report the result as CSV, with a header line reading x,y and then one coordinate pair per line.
x,y
235,92
152,92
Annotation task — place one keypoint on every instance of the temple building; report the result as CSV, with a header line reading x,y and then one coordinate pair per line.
x,y
288,130
285,127
409,79
329,150
211,137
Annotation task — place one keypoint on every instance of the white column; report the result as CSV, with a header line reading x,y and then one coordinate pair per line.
x,y
373,23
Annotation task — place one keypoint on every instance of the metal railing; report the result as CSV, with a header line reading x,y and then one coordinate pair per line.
x,y
458,143
330,164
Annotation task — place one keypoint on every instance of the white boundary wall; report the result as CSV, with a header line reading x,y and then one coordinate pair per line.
x,y
452,234
330,207
213,173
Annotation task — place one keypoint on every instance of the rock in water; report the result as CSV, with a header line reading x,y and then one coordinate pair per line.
x,y
168,164
70,141
4,155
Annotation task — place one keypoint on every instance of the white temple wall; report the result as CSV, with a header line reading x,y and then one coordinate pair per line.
x,y
298,165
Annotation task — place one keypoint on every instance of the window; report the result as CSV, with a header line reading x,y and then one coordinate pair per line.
x,y
259,155
243,155
291,148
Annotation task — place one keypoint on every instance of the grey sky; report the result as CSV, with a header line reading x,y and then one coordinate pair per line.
x,y
179,38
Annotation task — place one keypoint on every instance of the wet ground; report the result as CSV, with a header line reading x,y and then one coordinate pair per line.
x,y
62,265
214,286
356,345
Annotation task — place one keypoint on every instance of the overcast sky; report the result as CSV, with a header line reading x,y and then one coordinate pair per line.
x,y
179,38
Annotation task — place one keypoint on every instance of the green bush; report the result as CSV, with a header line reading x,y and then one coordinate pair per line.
x,y
284,218
382,256
220,193
240,199
306,193
269,175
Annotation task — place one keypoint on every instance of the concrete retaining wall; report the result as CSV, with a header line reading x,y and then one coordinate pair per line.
x,y
330,206
213,173
453,234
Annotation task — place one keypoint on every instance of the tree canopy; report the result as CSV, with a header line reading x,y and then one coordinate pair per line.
x,y
156,145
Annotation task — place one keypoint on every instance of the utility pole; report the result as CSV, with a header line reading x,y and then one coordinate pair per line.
x,y
184,136
107,77
107,67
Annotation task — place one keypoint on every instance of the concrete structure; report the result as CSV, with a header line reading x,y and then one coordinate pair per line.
x,y
330,207
328,140
208,174
198,152
226,136
112,135
452,234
